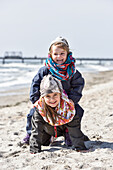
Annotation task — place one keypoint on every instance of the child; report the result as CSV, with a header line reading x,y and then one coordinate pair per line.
x,y
54,112
61,65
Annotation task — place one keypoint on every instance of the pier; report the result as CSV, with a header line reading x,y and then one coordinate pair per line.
x,y
23,59
18,56
94,59
42,59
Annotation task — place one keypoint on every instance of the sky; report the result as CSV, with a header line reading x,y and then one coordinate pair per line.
x,y
29,26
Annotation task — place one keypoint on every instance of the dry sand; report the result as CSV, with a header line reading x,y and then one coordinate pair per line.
x,y
97,123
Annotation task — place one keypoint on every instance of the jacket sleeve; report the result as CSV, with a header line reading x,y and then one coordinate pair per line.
x,y
36,133
35,85
77,85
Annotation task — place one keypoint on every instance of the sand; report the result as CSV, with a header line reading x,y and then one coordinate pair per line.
x,y
97,123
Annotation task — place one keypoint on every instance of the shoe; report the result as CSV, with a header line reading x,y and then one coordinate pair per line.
x,y
26,139
67,138
86,138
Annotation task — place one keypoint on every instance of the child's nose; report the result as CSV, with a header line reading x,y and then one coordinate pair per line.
x,y
58,55
52,98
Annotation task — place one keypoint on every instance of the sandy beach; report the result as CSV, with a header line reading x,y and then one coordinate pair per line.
x,y
97,123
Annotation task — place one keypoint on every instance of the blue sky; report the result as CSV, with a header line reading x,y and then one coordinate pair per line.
x,y
30,26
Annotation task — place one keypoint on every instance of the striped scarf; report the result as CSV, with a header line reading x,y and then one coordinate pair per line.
x,y
63,71
65,110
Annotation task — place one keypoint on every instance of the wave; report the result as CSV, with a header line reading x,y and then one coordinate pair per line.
x,y
18,75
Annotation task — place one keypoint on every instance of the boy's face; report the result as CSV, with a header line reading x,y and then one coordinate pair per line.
x,y
59,55
52,99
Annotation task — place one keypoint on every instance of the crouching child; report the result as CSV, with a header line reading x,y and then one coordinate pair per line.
x,y
53,114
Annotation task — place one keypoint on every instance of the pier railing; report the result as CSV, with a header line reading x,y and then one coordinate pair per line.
x,y
41,59
22,58
94,59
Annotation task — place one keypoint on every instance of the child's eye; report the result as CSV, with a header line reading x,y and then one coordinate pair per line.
x,y
48,96
55,53
55,95
62,53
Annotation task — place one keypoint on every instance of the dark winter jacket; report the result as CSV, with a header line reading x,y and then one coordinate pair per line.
x,y
73,86
42,132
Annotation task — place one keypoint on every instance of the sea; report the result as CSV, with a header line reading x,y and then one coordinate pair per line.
x,y
15,75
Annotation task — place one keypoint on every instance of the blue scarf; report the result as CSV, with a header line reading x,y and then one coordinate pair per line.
x,y
63,71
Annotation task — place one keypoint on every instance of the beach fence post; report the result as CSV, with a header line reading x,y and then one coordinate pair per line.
x,y
3,61
100,61
80,62
22,60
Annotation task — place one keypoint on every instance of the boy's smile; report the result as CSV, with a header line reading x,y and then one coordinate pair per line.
x,y
59,55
